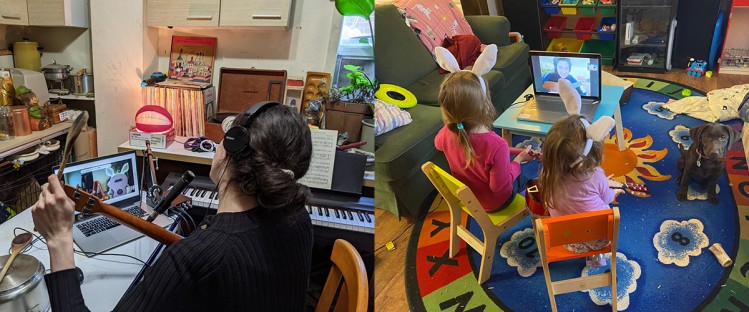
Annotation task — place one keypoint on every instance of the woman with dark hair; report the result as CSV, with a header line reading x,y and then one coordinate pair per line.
x,y
253,255
562,68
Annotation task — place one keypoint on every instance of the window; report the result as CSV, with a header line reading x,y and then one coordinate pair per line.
x,y
355,48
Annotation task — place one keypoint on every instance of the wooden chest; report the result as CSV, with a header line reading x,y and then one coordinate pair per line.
x,y
239,88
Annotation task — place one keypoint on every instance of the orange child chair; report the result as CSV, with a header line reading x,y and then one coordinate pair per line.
x,y
553,233
460,198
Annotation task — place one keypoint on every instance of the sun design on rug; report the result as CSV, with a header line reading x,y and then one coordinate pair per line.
x,y
632,164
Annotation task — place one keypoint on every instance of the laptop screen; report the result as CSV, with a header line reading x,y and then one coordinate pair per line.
x,y
113,178
582,70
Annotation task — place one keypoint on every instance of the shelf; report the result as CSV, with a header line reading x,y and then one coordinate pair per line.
x,y
644,45
71,97
644,6
20,143
733,70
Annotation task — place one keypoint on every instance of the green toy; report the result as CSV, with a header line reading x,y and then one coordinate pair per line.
x,y
686,92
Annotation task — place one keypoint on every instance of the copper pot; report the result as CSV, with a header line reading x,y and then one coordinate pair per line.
x,y
21,122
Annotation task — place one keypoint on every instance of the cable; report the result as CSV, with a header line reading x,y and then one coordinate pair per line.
x,y
80,252
410,225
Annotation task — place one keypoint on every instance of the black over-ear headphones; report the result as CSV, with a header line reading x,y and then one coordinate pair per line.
x,y
238,137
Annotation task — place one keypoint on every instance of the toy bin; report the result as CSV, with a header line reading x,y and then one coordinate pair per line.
x,y
560,44
568,7
587,7
554,26
606,48
607,34
549,8
585,24
607,9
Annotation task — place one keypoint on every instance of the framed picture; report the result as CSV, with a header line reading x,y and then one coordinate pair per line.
x,y
191,61
293,102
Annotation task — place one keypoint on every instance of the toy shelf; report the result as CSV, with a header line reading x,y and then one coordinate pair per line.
x,y
575,20
735,56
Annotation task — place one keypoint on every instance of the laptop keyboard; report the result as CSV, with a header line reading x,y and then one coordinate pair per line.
x,y
98,225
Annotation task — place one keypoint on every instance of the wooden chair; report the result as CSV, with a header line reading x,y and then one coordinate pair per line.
x,y
553,233
460,198
347,281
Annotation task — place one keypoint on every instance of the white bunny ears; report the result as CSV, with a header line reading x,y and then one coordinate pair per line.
x,y
483,64
594,132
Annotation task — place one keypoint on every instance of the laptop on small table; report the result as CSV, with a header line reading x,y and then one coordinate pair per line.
x,y
582,69
115,180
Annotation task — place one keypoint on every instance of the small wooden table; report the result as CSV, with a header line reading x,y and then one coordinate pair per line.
x,y
609,106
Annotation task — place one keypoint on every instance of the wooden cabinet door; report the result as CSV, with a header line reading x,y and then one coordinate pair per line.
x,y
183,12
13,12
255,13
72,13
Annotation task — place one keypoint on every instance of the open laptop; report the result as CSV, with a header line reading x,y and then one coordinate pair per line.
x,y
582,69
115,179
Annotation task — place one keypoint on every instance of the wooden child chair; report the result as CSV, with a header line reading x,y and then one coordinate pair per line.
x,y
553,233
460,198
347,281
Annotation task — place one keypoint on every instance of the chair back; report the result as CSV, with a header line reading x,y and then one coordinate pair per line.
x,y
578,228
456,194
347,281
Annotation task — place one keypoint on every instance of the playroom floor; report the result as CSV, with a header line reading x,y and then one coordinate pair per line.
x,y
389,265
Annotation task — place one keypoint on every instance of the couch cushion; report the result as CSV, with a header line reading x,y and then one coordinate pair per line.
x,y
427,89
400,56
403,150
512,57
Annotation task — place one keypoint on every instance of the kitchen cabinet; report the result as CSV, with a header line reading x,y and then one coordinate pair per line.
x,y
201,13
13,12
71,13
255,13
218,13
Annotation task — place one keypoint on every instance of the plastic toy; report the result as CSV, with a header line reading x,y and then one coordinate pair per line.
x,y
561,47
686,92
696,68
709,73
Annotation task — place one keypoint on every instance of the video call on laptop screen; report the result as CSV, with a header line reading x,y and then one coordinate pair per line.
x,y
583,72
112,178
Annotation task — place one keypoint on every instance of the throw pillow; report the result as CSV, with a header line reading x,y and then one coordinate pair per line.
x,y
389,117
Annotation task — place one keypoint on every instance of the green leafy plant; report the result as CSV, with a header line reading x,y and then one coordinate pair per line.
x,y
361,89
363,8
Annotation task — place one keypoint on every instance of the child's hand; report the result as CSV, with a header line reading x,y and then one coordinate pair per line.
x,y
618,192
524,156
614,184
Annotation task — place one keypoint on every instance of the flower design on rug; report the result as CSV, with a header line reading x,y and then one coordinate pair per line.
x,y
627,273
534,142
680,135
695,192
678,240
521,251
632,164
656,108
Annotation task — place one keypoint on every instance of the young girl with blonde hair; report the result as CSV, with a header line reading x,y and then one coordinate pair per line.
x,y
477,156
572,180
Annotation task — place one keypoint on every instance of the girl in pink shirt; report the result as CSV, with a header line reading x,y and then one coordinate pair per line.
x,y
477,156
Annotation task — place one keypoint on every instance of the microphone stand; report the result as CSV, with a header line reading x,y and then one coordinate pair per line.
x,y
154,191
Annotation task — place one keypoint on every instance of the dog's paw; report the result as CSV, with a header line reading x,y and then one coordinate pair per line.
x,y
681,196
713,199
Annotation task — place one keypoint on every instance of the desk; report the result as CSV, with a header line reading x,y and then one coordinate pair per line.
x,y
609,106
105,277
176,151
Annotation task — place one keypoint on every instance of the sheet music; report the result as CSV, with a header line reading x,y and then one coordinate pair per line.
x,y
320,173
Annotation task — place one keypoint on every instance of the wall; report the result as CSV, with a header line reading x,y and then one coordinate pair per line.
x,y
123,50
305,46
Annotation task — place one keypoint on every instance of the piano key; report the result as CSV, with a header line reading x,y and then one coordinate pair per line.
x,y
361,218
369,220
327,212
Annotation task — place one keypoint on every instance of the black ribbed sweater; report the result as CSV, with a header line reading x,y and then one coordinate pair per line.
x,y
245,261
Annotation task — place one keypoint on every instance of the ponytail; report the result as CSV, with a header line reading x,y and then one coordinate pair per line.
x,y
464,142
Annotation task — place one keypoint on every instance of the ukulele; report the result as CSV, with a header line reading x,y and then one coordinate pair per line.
x,y
639,190
87,203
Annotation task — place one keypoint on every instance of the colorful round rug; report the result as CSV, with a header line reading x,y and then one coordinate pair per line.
x,y
663,260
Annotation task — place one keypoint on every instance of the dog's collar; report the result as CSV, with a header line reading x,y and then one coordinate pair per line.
x,y
700,156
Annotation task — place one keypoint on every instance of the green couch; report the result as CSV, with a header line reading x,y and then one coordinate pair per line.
x,y
401,59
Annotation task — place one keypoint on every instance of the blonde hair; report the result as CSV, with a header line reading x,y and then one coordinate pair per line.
x,y
463,100
564,144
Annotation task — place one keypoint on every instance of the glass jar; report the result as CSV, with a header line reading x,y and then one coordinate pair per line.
x,y
6,124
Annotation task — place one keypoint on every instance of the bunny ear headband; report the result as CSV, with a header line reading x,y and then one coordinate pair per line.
x,y
594,132
483,64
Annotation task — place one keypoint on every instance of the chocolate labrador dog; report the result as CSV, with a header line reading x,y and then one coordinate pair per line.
x,y
706,158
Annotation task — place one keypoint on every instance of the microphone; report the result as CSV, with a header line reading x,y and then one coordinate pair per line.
x,y
177,189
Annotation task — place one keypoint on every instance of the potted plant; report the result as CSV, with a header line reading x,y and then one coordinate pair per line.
x,y
345,108
363,8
